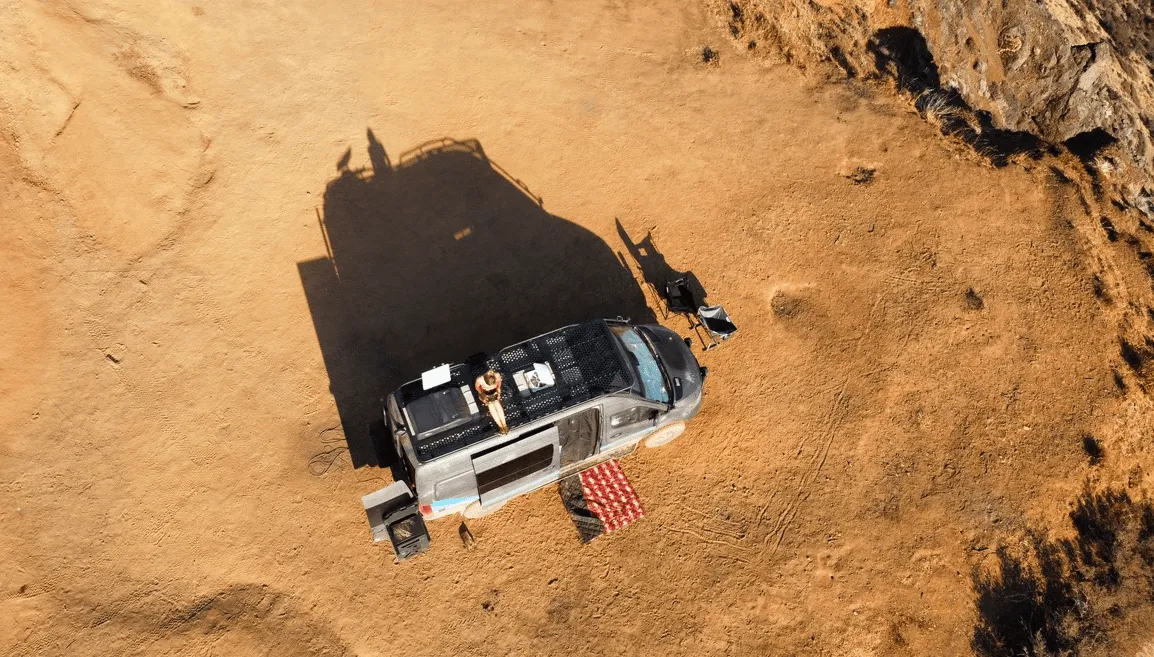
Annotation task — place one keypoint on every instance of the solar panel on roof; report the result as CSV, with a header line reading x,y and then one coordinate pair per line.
x,y
436,376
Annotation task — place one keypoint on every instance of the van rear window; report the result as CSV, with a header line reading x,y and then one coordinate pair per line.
x,y
518,468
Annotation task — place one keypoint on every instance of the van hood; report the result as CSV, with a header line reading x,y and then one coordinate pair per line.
x,y
677,359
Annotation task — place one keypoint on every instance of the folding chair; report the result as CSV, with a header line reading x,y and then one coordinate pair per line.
x,y
679,297
710,322
717,324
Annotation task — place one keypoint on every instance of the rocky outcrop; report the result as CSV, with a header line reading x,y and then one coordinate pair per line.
x,y
1076,73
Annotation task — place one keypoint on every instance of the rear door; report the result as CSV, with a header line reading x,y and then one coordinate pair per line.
x,y
518,466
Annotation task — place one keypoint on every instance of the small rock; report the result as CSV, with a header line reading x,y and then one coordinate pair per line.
x,y
972,300
862,175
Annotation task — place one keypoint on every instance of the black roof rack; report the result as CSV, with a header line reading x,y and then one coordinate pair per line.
x,y
586,362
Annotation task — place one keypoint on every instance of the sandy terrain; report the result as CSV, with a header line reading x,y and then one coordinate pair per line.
x,y
920,356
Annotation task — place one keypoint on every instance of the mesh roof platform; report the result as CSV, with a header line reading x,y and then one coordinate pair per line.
x,y
586,362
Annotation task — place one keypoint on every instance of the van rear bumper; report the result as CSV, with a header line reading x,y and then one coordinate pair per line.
x,y
442,508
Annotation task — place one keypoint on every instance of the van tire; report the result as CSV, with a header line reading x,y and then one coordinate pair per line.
x,y
475,510
665,435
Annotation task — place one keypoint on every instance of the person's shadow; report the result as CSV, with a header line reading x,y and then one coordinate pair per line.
x,y
436,256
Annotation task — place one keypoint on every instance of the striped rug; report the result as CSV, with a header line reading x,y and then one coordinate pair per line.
x,y
600,500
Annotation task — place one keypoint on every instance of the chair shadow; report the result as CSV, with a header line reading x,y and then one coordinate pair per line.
x,y
435,256
655,270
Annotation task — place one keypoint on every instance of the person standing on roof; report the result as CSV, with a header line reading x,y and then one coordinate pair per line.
x,y
488,387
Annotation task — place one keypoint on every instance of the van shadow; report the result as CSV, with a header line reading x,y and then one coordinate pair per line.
x,y
435,256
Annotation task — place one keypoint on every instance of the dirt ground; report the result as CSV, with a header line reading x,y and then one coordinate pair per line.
x,y
186,353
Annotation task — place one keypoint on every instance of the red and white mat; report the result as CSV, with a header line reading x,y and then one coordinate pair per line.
x,y
600,500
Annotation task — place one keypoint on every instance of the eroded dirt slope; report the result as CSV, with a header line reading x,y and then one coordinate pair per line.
x,y
925,341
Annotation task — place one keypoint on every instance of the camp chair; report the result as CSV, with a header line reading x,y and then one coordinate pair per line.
x,y
717,324
710,322
679,297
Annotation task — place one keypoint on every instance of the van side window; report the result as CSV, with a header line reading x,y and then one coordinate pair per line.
x,y
633,416
514,469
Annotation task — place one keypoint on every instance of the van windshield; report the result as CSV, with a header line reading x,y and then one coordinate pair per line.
x,y
645,363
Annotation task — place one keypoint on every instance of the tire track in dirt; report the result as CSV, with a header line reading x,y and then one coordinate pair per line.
x,y
834,420
838,410
816,461
132,106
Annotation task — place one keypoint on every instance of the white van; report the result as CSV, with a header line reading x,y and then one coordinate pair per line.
x,y
573,397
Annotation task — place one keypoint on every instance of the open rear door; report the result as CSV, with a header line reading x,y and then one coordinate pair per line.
x,y
513,468
394,515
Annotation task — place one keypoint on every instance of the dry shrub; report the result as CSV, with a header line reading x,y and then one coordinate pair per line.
x,y
1058,597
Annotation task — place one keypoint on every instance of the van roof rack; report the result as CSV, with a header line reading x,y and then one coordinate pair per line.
x,y
585,359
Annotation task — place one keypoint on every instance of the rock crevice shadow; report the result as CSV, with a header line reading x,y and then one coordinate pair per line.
x,y
902,52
